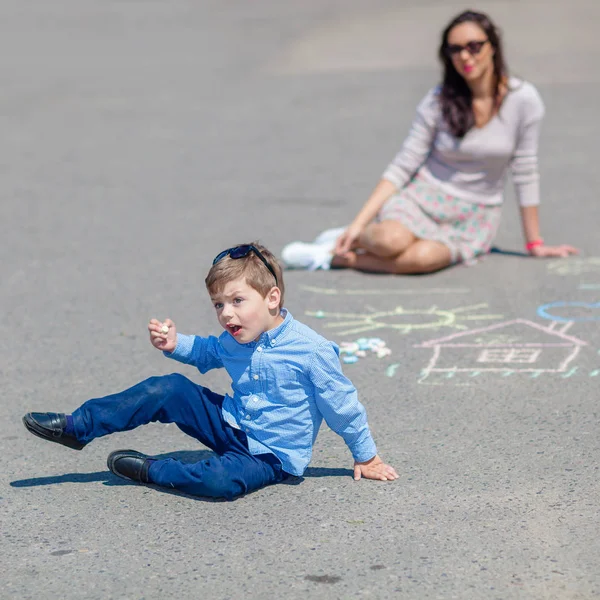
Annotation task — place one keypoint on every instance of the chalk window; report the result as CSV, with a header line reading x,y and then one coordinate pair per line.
x,y
509,355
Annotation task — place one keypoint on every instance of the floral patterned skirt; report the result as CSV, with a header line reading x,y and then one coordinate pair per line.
x,y
467,229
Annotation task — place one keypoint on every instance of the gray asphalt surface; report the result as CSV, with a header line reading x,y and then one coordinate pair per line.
x,y
139,139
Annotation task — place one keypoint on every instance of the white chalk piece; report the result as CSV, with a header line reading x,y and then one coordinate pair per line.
x,y
165,329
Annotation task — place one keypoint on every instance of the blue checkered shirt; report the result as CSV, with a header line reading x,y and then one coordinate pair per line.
x,y
284,385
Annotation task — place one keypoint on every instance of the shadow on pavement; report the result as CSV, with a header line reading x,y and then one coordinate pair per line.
x,y
186,456
66,478
496,250
328,472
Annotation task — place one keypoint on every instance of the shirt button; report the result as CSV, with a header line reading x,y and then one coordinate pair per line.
x,y
255,377
259,349
248,417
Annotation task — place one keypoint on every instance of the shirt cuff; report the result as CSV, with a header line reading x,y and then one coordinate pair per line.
x,y
183,349
528,194
394,175
365,450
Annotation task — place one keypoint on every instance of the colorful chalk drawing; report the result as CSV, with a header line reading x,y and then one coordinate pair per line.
x,y
382,292
516,347
507,348
577,266
402,320
574,266
577,312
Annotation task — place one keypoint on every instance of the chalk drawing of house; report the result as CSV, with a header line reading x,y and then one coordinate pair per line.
x,y
517,346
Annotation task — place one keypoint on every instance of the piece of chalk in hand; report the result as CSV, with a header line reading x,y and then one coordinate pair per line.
x,y
165,329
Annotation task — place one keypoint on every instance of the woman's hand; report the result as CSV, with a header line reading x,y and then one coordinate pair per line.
x,y
561,251
161,339
346,241
380,195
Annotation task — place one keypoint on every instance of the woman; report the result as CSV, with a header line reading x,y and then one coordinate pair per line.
x,y
439,201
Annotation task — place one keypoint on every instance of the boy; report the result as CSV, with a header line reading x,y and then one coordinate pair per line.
x,y
285,379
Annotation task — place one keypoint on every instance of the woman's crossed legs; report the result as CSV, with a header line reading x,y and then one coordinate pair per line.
x,y
390,247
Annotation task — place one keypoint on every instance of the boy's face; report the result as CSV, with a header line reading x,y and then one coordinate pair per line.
x,y
244,313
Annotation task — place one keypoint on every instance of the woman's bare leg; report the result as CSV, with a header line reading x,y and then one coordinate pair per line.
x,y
422,256
385,239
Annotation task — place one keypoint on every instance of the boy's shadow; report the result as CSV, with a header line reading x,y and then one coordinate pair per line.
x,y
186,456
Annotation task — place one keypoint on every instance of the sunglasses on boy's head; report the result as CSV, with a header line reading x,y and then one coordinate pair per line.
x,y
241,252
473,48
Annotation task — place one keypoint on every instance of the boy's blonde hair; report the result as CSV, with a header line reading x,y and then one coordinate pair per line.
x,y
251,268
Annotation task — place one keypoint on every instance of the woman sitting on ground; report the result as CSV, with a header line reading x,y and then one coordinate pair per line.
x,y
439,201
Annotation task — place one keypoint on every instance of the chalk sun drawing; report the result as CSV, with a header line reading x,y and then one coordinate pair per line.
x,y
382,292
403,320
507,348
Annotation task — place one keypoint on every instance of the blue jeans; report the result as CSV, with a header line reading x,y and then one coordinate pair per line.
x,y
196,411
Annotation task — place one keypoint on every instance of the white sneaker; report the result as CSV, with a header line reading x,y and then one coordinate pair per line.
x,y
330,235
300,255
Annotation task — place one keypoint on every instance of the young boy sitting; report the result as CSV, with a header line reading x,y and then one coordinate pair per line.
x,y
285,379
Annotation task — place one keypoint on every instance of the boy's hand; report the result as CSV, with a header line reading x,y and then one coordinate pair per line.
x,y
374,469
163,335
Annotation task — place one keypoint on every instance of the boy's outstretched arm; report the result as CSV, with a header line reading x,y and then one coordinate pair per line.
x,y
203,353
337,401
374,469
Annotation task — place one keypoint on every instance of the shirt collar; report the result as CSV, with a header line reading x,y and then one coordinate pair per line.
x,y
271,336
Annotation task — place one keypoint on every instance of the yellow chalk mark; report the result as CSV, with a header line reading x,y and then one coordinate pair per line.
x,y
411,319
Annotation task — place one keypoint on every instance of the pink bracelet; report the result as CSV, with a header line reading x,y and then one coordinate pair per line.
x,y
529,246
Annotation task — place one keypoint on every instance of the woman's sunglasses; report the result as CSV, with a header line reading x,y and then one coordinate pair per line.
x,y
240,252
472,48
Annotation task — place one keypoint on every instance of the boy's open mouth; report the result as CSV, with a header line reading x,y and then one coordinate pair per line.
x,y
234,329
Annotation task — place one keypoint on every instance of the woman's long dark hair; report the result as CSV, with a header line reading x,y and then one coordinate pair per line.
x,y
456,99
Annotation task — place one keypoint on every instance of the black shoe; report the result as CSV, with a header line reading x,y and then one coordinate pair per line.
x,y
51,427
130,464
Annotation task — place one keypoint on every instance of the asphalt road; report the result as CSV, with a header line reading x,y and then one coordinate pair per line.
x,y
142,137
